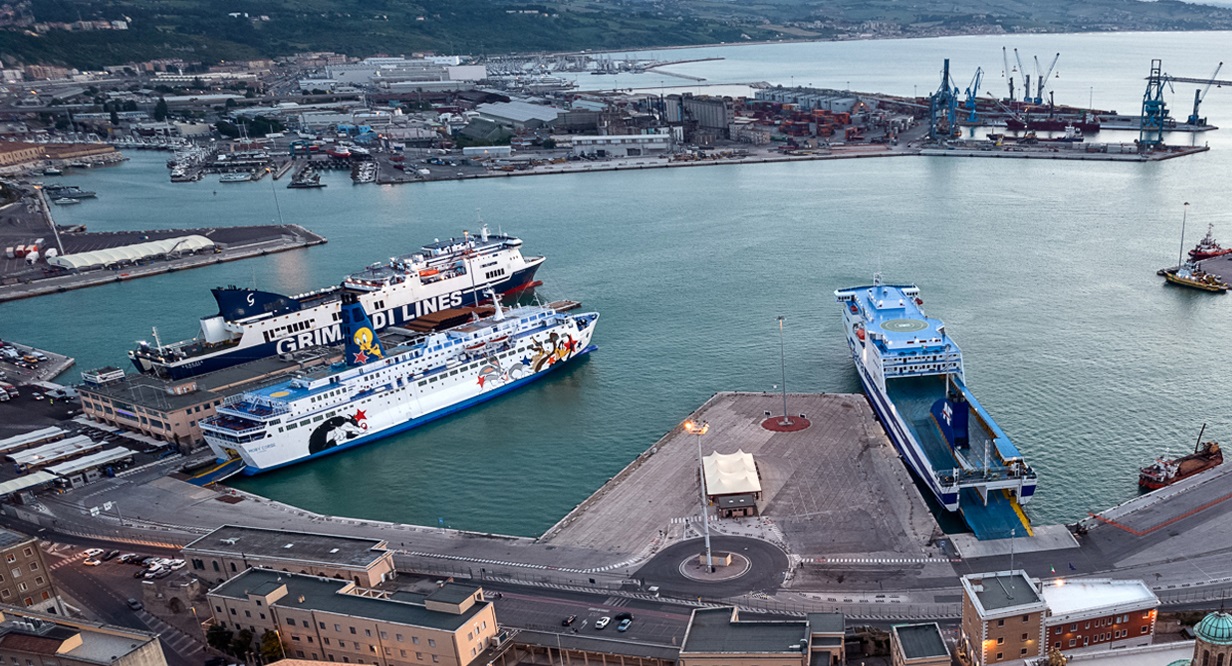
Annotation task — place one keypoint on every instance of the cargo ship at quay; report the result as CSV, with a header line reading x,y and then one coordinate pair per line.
x,y
912,373
252,324
375,392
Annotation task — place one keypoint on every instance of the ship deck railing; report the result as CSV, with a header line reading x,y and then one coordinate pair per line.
x,y
254,406
236,426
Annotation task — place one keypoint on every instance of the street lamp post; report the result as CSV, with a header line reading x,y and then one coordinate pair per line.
x,y
783,362
700,428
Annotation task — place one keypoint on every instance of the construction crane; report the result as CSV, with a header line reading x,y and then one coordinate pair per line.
x,y
1043,80
1007,73
973,91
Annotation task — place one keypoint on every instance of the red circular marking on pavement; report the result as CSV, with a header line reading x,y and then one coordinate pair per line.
x,y
794,424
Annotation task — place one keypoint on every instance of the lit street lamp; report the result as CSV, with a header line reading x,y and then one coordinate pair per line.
x,y
700,428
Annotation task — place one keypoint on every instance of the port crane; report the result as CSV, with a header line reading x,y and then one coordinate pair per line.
x,y
1200,93
1026,78
1007,72
973,91
1042,81
943,108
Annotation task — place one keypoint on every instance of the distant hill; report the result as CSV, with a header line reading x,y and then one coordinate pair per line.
x,y
215,30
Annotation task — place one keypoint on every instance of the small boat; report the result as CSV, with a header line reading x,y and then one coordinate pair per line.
x,y
306,180
1208,247
239,177
65,201
1206,455
52,171
1188,273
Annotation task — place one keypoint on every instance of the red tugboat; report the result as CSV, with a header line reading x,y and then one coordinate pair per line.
x,y
1208,247
1162,472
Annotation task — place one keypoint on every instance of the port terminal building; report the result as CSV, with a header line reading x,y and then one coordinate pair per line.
x,y
325,619
1007,616
170,410
231,549
918,645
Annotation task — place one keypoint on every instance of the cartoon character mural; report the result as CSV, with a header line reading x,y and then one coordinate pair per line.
x,y
337,430
557,348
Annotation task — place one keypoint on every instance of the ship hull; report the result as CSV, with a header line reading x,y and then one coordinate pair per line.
x,y
225,358
250,470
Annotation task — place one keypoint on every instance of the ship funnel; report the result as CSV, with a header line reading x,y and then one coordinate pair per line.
x,y
362,345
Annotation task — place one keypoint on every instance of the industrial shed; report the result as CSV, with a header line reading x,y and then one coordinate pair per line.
x,y
127,254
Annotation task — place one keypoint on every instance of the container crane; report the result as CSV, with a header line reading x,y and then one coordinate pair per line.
x,y
1043,80
973,91
1154,110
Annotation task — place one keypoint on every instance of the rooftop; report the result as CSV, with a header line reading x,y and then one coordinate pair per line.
x,y
1003,592
36,633
256,542
330,595
919,641
9,538
720,630
827,623
1066,597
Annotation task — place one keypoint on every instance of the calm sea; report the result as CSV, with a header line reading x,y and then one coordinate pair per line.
x,y
1044,272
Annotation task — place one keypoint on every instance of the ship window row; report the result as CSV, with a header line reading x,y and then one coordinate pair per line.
x,y
494,274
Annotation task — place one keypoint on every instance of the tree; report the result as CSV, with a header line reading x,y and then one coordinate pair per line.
x,y
241,643
227,129
219,637
115,118
271,649
160,110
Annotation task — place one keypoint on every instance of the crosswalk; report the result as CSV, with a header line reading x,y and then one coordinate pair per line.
x,y
71,559
172,637
869,560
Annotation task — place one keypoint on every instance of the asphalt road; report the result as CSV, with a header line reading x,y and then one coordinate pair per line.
x,y
103,594
768,563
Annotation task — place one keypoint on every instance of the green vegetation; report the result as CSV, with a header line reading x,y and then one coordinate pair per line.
x,y
211,31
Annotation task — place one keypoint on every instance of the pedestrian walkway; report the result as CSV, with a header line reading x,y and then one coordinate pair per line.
x,y
173,638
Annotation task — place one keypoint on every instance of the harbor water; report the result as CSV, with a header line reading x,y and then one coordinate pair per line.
x,y
1044,272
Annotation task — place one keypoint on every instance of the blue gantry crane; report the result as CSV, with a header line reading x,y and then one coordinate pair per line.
x,y
1200,93
943,108
973,91
1154,110
1042,78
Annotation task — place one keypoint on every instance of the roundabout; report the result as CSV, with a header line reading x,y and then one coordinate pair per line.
x,y
756,566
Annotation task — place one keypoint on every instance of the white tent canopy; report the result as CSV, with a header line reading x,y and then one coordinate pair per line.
x,y
130,253
731,473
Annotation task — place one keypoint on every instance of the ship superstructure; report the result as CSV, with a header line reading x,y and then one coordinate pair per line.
x,y
912,372
252,324
379,392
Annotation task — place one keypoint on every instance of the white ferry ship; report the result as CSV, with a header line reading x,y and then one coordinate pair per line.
x,y
912,372
375,394
253,324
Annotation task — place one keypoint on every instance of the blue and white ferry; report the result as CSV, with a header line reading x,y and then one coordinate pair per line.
x,y
252,324
912,372
376,392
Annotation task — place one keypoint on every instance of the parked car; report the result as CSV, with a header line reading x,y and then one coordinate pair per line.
x,y
93,552
568,621
163,573
602,622
176,565
135,605
91,562
127,558
624,625
623,616
110,555
140,573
